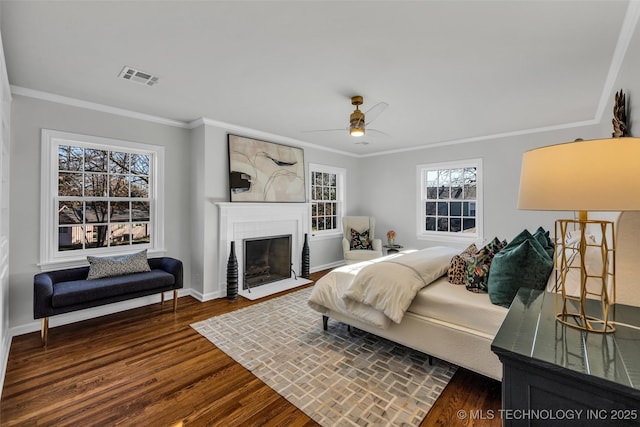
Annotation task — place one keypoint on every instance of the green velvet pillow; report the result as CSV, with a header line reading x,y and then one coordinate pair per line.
x,y
543,238
524,264
524,235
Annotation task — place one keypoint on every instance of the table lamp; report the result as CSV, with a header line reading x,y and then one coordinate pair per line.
x,y
595,175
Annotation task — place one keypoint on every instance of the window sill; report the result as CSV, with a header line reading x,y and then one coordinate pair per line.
x,y
325,236
468,239
81,261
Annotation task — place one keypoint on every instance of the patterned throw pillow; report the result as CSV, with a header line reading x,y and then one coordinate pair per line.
x,y
478,268
360,240
457,272
117,266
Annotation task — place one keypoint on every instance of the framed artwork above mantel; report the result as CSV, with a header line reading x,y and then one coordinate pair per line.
x,y
261,171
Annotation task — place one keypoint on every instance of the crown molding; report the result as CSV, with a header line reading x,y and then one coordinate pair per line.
x,y
627,29
254,133
624,39
488,137
5,89
74,102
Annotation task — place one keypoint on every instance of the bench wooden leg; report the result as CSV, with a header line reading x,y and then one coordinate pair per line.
x,y
44,330
175,299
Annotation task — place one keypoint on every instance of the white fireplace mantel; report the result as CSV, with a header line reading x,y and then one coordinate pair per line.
x,y
239,221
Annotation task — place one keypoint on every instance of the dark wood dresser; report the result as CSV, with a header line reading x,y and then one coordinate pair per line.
x,y
557,375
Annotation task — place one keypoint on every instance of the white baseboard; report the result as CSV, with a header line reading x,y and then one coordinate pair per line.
x,y
329,266
206,297
90,313
215,295
4,358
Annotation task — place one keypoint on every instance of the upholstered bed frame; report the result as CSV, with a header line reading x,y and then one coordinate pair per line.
x,y
471,349
461,346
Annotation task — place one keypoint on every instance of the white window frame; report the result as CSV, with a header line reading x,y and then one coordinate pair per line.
x,y
50,256
341,199
447,236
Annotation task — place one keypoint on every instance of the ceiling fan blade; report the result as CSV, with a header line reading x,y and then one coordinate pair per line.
x,y
326,130
358,119
379,132
373,112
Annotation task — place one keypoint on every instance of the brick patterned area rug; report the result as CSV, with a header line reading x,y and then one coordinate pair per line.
x,y
338,378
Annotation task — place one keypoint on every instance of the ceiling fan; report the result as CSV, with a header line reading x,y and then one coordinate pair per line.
x,y
359,121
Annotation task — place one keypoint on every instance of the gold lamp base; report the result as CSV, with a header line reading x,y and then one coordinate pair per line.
x,y
586,323
585,274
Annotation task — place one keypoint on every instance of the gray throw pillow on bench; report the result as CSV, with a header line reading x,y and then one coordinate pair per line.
x,y
117,266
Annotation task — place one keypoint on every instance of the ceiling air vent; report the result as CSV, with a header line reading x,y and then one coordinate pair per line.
x,y
138,76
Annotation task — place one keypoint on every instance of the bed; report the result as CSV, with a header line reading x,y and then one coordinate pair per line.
x,y
440,319
445,320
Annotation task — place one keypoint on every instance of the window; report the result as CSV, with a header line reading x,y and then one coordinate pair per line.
x,y
99,196
327,188
450,200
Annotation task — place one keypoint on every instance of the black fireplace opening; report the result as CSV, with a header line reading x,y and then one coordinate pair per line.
x,y
266,260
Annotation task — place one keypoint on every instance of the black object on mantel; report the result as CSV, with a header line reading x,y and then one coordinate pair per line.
x,y
232,274
305,257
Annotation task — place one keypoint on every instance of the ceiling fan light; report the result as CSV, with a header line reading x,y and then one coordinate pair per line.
x,y
356,123
356,131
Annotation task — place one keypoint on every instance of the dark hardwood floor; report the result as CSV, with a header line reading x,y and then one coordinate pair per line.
x,y
148,367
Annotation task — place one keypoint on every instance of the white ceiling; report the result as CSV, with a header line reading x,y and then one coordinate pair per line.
x,y
449,70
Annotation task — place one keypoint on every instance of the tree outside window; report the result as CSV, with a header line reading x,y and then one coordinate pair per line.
x,y
449,202
327,199
103,196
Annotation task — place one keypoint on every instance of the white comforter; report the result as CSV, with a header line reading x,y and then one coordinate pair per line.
x,y
381,290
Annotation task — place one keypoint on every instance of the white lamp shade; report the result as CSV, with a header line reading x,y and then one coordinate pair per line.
x,y
596,175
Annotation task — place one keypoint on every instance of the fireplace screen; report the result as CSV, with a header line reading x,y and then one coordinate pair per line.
x,y
266,260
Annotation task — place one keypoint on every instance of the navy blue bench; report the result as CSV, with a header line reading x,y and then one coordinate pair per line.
x,y
63,291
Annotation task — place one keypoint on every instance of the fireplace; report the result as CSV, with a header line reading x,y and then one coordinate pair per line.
x,y
240,222
266,260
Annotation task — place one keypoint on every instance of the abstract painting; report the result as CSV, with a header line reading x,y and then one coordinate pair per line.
x,y
261,171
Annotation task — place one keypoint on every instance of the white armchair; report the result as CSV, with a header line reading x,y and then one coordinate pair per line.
x,y
354,250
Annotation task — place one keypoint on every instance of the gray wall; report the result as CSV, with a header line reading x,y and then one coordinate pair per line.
x,y
5,226
210,161
196,178
325,252
627,80
29,116
387,187
197,185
